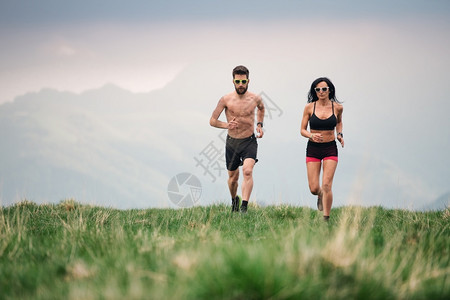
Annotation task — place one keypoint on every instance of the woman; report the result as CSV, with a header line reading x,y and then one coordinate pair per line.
x,y
324,114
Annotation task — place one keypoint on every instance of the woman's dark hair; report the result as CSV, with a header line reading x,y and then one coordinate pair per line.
x,y
240,70
312,95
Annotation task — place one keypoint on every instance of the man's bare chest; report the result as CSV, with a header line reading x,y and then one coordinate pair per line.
x,y
242,107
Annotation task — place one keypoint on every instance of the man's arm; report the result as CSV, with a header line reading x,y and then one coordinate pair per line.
x,y
261,110
260,117
214,120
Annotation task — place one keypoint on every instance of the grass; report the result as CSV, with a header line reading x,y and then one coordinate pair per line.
x,y
72,251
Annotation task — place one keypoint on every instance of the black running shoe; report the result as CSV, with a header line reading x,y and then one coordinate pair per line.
x,y
235,204
244,207
319,202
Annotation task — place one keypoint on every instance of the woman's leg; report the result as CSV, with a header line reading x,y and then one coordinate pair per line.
x,y
313,171
329,168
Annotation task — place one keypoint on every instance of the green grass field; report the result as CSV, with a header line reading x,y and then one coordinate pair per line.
x,y
71,251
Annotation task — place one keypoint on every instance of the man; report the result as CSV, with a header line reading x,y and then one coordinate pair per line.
x,y
241,146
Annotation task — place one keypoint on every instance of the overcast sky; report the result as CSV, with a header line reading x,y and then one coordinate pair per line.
x,y
389,60
141,45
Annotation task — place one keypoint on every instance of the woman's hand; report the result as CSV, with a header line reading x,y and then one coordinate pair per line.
x,y
316,137
341,140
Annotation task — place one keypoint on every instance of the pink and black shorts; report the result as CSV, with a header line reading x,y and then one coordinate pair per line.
x,y
316,152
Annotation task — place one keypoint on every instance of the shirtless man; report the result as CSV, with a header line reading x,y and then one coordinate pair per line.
x,y
241,146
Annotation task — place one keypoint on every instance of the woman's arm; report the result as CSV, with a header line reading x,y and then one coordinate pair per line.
x,y
304,125
315,137
340,125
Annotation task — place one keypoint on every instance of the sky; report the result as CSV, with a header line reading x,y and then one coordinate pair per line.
x,y
388,59
142,45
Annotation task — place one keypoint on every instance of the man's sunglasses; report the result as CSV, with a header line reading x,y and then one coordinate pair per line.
x,y
244,81
324,89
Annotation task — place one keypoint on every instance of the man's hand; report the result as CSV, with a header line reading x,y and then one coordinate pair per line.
x,y
260,132
233,124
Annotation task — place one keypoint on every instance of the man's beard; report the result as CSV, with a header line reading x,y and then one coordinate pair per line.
x,y
241,91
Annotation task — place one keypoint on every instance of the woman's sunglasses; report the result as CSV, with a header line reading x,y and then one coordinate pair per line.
x,y
323,89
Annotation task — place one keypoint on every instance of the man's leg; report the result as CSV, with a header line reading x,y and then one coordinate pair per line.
x,y
247,183
233,177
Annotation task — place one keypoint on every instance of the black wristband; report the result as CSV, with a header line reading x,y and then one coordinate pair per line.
x,y
259,123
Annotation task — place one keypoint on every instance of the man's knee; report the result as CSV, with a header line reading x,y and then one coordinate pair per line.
x,y
233,176
247,172
232,181
247,169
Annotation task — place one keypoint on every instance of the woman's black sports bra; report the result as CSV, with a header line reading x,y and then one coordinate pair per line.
x,y
320,124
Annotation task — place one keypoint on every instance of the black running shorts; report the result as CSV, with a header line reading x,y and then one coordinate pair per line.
x,y
237,150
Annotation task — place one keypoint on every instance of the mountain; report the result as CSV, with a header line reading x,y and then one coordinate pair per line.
x,y
106,146
440,203
111,147
103,146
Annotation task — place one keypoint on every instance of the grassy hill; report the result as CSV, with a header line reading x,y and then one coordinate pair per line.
x,y
70,251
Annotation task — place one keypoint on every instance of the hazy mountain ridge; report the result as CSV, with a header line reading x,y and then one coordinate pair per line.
x,y
440,203
110,146
107,145
82,146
